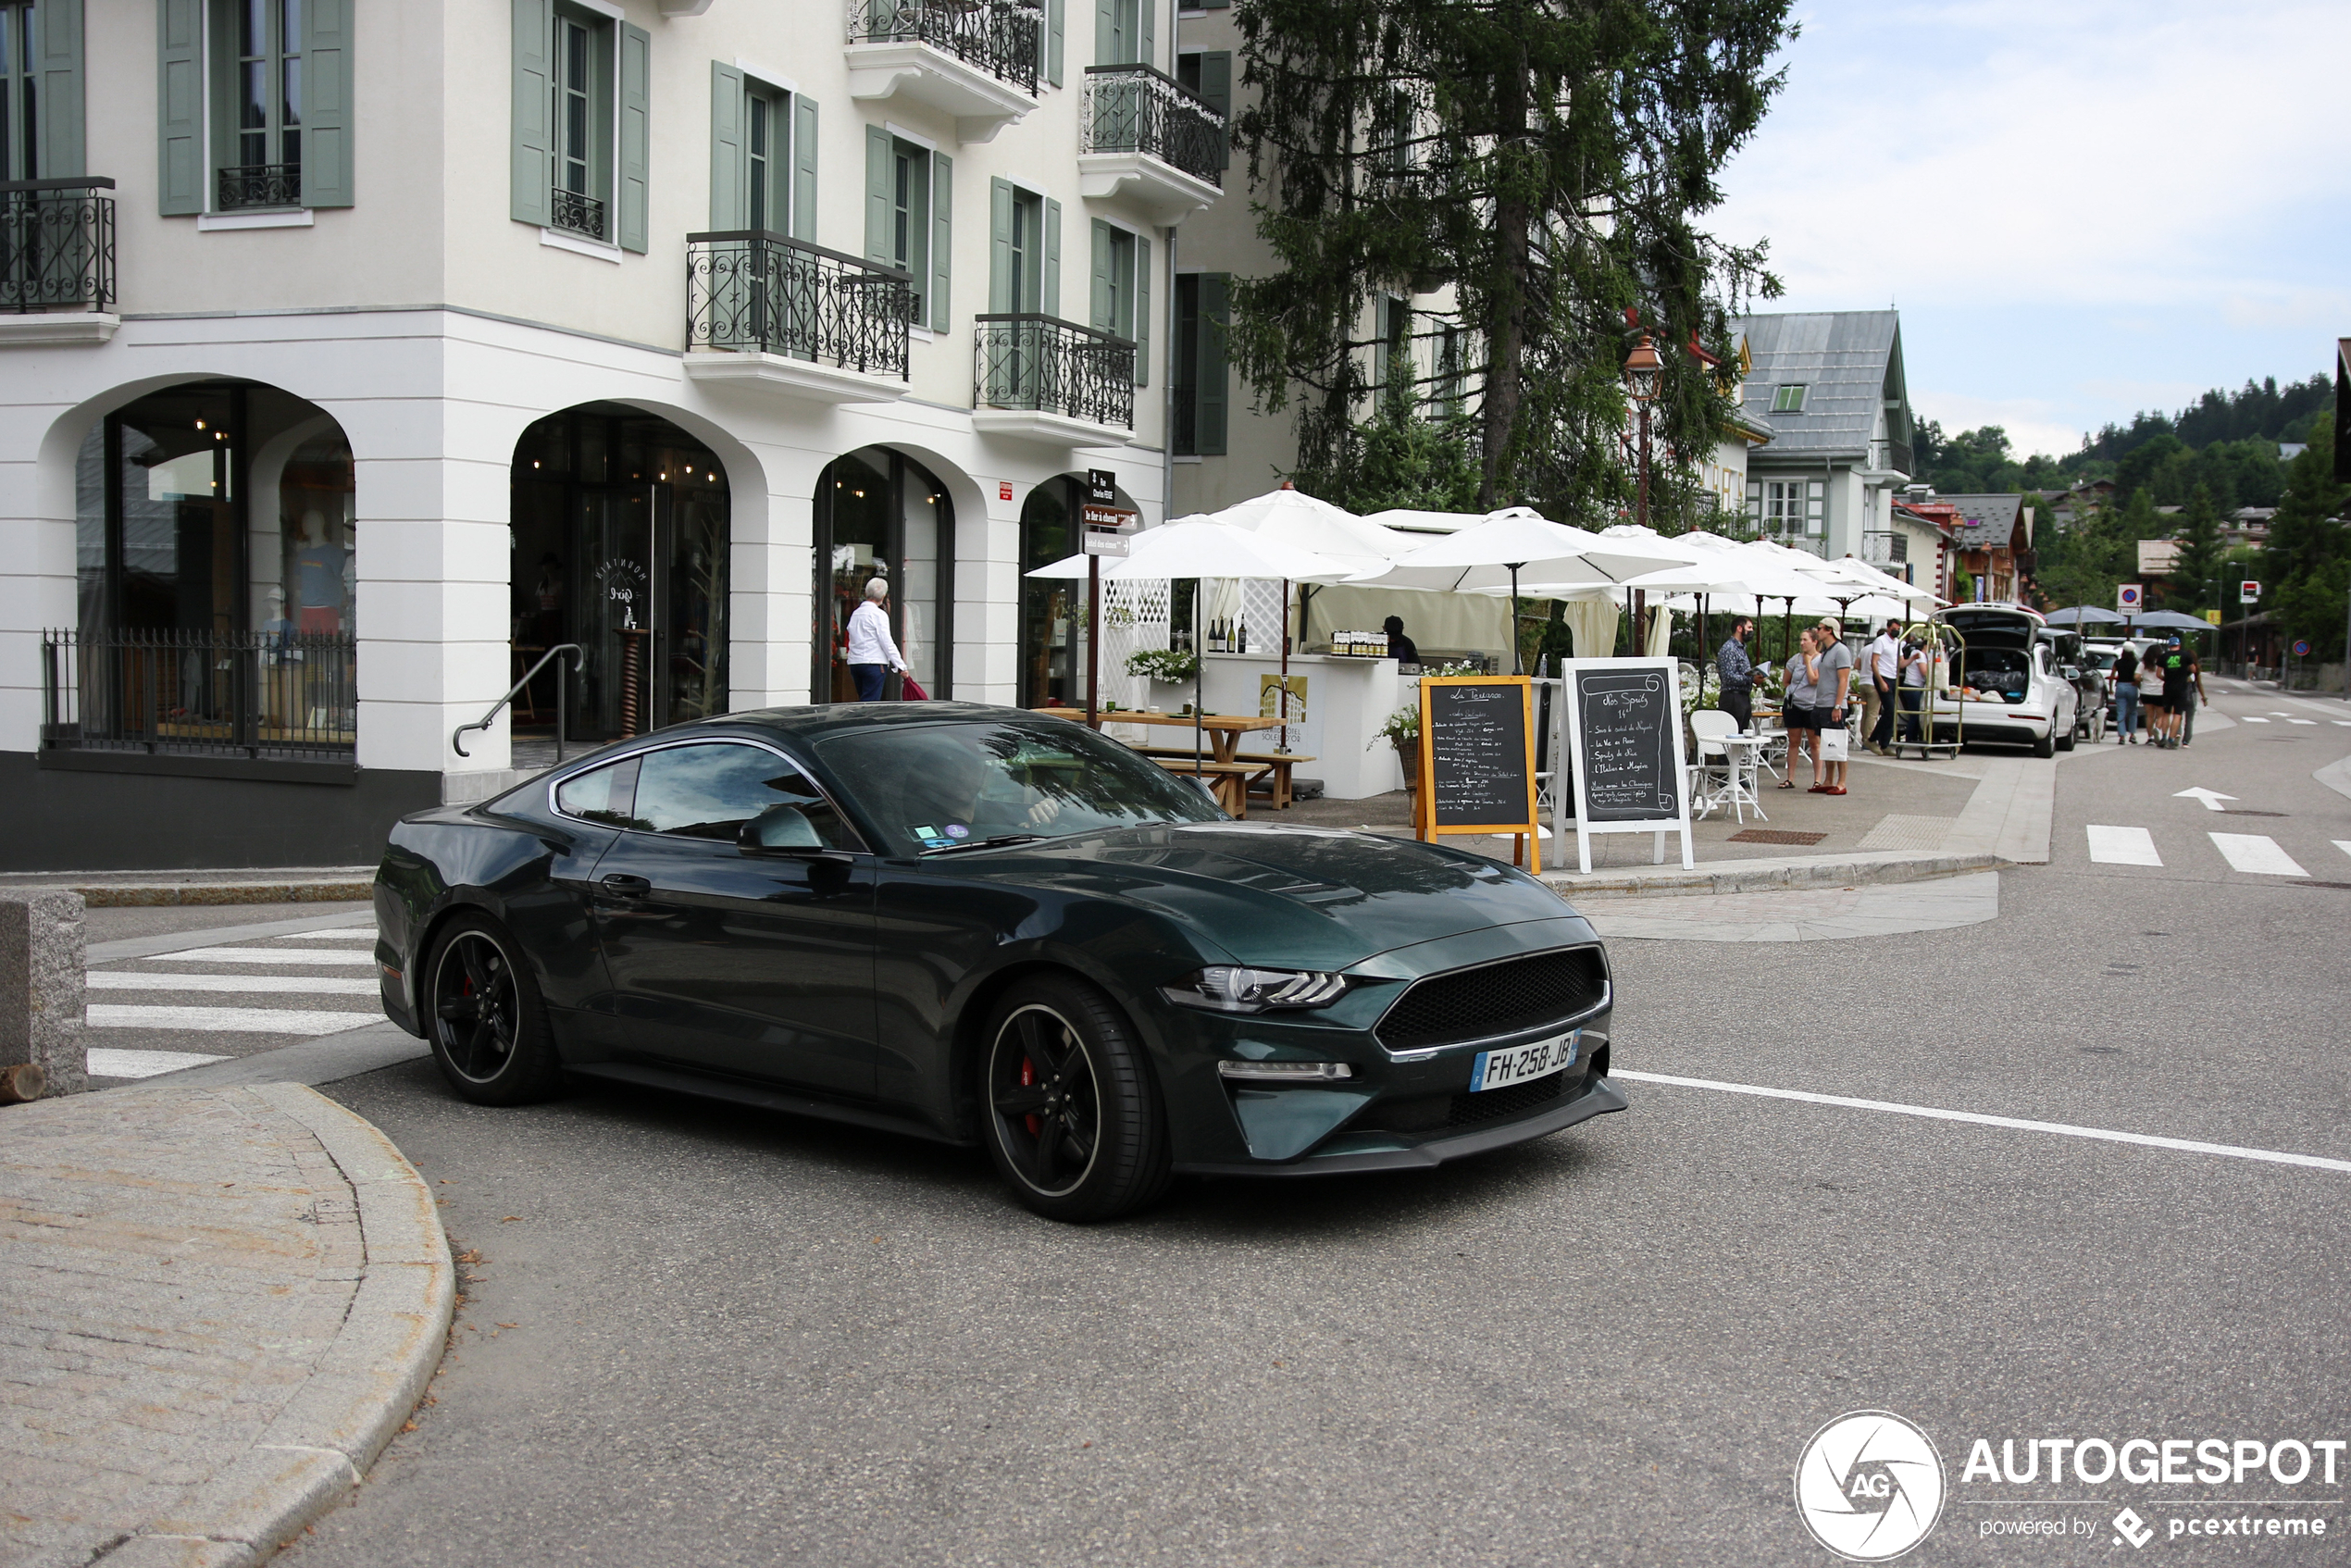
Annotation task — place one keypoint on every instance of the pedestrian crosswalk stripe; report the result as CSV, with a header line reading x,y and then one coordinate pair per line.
x,y
242,984
2302,721
335,934
261,955
2255,852
2122,846
2250,718
105,1062
2344,844
239,1020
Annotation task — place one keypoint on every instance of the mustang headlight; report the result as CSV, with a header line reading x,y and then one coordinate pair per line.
x,y
1225,988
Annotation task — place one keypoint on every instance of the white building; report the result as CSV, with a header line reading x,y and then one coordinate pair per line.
x,y
369,348
1831,389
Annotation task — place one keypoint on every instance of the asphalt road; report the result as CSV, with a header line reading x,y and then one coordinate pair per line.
x,y
695,1335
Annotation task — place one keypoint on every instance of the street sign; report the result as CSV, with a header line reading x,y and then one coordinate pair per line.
x,y
1101,488
1105,543
2212,616
2248,593
2301,648
2129,596
1111,519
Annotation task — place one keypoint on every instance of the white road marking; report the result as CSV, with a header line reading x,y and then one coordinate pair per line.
x,y
242,984
2122,846
2302,721
2344,844
2250,719
2211,797
260,955
236,1020
2190,1146
2255,852
340,934
108,1062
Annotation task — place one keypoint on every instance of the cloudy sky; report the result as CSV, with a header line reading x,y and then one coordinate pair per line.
x,y
2082,207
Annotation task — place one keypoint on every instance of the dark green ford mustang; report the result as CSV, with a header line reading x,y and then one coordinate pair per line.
x,y
982,925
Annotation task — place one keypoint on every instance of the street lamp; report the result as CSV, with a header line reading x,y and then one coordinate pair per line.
x,y
1642,367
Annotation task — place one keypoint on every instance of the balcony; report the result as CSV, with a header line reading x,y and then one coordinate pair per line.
x,y
1051,381
1150,141
245,703
248,186
974,59
56,262
1886,549
569,212
779,314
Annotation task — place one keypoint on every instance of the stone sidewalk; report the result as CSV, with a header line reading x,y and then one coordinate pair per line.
x,y
216,1305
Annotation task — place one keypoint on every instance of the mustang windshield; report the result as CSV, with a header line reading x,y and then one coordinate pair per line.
x,y
933,787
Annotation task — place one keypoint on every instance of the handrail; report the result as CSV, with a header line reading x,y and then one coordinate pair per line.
x,y
78,183
880,270
459,745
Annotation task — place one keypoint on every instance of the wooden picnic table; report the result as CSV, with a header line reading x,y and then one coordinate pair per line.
x,y
1223,730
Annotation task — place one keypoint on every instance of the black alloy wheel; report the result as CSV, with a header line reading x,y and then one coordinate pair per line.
x,y
485,1020
1072,1114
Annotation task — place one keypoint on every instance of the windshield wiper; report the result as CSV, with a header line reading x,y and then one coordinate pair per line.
x,y
985,844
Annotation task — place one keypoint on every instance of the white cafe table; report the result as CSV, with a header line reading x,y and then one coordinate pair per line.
x,y
1737,791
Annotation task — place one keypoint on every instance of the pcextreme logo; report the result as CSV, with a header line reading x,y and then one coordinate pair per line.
x,y
1870,1486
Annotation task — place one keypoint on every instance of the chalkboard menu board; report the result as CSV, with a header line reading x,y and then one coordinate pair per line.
x,y
1626,745
1481,770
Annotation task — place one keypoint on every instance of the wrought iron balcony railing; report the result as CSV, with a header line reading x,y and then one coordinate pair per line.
x,y
757,293
1898,457
56,246
576,214
999,36
260,185
1048,366
254,695
1883,549
1135,109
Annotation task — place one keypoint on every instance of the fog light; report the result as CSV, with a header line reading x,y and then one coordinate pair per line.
x,y
1286,1072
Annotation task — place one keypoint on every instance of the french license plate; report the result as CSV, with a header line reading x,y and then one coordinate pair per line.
x,y
1521,1063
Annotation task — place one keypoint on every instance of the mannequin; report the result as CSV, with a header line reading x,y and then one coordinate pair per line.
x,y
321,574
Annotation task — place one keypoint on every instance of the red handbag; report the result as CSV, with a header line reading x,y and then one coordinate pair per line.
x,y
910,691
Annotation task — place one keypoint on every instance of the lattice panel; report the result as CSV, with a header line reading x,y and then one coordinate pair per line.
x,y
1134,616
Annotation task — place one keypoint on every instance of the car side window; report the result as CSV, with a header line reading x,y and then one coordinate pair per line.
x,y
601,794
710,791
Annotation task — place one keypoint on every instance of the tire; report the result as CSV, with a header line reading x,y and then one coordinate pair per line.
x,y
501,1054
2046,745
1069,1109
2066,744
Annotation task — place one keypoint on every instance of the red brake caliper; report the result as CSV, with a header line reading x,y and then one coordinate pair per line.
x,y
1028,1081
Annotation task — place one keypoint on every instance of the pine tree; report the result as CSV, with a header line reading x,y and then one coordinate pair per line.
x,y
1548,159
2308,559
2195,571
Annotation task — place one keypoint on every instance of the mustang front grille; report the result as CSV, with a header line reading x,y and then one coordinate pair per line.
x,y
1495,998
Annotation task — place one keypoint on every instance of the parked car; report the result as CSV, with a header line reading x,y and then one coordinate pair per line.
x,y
2007,685
2071,656
989,927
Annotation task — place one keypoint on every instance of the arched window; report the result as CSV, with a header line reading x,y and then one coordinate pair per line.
x,y
882,515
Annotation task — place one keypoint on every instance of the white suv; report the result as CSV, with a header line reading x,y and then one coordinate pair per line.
x,y
2004,685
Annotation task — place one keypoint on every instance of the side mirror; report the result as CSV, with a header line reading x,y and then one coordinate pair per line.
x,y
2070,673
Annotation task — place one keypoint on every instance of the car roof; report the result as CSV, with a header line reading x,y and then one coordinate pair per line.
x,y
817,721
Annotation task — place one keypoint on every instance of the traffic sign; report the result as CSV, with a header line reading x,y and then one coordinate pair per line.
x,y
2129,596
2212,616
2301,648
2248,593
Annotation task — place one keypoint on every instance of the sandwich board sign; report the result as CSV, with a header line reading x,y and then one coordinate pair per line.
x,y
1478,760
1621,734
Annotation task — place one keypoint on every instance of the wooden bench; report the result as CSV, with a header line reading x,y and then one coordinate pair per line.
x,y
1272,772
1228,780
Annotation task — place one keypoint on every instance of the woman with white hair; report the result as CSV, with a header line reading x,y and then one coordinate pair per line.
x,y
872,653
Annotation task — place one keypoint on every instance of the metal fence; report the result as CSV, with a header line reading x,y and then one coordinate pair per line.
x,y
1133,108
257,695
999,36
576,214
260,185
1026,360
757,293
56,246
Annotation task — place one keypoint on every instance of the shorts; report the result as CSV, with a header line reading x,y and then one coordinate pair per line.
x,y
1794,717
2155,699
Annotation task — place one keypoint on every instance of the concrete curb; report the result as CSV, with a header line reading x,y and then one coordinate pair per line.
x,y
142,895
362,1388
1768,876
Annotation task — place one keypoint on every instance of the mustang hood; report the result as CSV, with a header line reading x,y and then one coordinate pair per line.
x,y
1294,897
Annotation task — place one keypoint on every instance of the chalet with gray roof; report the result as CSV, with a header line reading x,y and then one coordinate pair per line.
x,y
1993,537
1830,388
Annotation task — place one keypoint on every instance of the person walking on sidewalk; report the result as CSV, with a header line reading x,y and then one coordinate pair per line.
x,y
1885,659
2126,698
2192,695
2175,691
1738,674
1796,706
873,652
1833,676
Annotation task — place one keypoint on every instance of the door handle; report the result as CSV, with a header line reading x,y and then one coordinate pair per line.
x,y
622,885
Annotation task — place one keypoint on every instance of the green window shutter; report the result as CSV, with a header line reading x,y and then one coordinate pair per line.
x,y
1215,4
60,100
179,106
1208,374
878,193
1142,311
1050,296
327,114
1056,24
531,178
942,248
1217,87
1000,247
636,137
1098,314
728,170
1146,14
1106,32
804,169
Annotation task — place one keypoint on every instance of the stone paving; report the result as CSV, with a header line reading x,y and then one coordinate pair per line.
x,y
180,1271
1800,915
